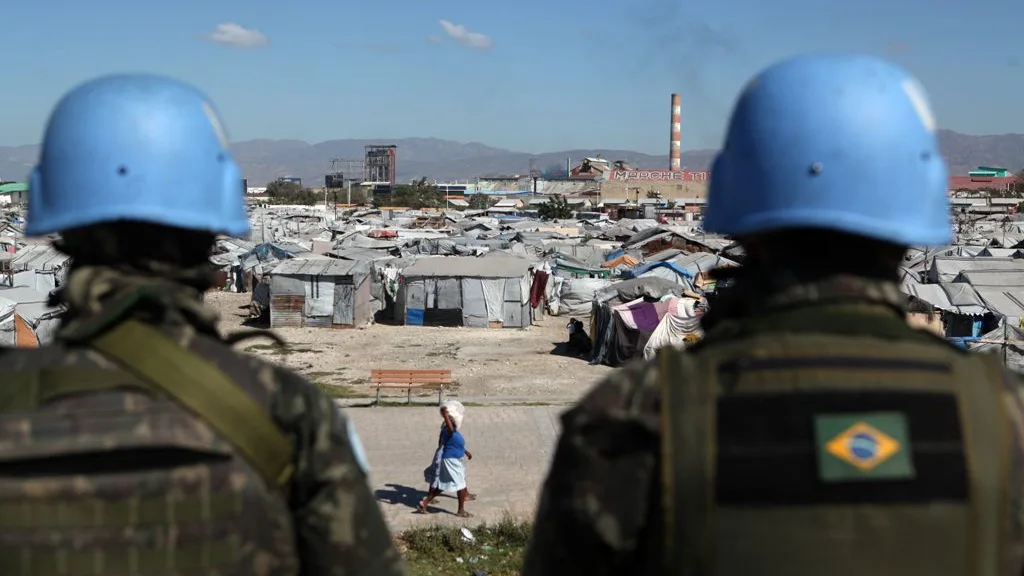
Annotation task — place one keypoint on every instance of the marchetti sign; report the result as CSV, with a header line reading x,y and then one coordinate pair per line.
x,y
658,175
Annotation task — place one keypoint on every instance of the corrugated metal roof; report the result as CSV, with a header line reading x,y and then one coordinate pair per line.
x,y
319,267
954,297
468,266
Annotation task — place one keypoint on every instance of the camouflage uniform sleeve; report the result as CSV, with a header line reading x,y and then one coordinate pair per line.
x,y
601,495
339,527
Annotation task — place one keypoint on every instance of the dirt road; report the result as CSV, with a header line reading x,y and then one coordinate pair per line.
x,y
484,362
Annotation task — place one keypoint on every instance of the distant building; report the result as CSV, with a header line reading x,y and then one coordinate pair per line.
x,y
985,177
14,193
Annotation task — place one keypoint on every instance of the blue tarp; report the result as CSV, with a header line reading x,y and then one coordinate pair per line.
x,y
614,255
647,266
414,317
962,341
268,251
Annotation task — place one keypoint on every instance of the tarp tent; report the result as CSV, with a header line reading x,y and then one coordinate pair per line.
x,y
573,296
621,331
674,328
26,320
466,291
667,270
40,267
320,292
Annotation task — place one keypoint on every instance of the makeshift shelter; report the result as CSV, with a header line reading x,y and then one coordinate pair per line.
x,y
466,291
261,259
26,319
320,292
621,331
676,329
40,267
964,313
667,270
573,296
1006,341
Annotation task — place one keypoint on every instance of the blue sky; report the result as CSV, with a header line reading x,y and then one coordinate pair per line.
x,y
536,76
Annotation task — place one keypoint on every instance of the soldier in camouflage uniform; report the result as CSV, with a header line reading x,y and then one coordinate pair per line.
x,y
140,442
811,432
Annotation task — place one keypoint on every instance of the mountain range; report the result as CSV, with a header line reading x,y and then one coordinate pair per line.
x,y
445,160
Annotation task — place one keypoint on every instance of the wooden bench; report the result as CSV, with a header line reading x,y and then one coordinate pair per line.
x,y
411,379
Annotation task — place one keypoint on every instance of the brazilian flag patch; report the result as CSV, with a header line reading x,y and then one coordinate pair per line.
x,y
863,447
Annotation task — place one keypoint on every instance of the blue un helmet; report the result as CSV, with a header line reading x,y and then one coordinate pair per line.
x,y
839,142
136,147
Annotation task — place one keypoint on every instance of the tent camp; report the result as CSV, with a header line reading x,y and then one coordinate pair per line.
x,y
26,320
320,292
466,291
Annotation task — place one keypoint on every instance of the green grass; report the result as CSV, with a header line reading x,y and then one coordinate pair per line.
x,y
275,349
436,550
341,391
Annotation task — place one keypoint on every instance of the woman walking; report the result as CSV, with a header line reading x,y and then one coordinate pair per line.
x,y
447,473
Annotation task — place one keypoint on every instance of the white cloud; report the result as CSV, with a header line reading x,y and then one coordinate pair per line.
x,y
464,36
231,34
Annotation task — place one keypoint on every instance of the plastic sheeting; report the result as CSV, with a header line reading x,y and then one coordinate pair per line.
x,y
494,291
673,329
42,319
7,328
1006,342
481,301
651,287
576,294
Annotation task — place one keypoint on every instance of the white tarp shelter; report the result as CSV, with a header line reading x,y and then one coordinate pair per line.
x,y
466,291
26,320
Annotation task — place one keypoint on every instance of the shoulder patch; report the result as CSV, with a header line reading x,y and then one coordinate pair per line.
x,y
862,447
357,446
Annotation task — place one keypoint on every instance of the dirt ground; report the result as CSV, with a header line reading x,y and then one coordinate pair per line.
x,y
484,362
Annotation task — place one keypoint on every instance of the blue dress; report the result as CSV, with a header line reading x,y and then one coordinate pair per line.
x,y
447,472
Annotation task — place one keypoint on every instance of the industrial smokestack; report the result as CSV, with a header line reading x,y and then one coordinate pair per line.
x,y
675,146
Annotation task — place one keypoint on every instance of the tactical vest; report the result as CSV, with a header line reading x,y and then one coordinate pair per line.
x,y
188,478
793,450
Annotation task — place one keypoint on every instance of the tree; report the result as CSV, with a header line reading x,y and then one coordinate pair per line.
x,y
283,192
360,195
417,195
478,201
1018,185
556,208
282,189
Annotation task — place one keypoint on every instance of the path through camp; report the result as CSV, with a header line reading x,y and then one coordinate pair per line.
x,y
512,447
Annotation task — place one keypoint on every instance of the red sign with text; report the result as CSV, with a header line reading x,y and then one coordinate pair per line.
x,y
659,175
